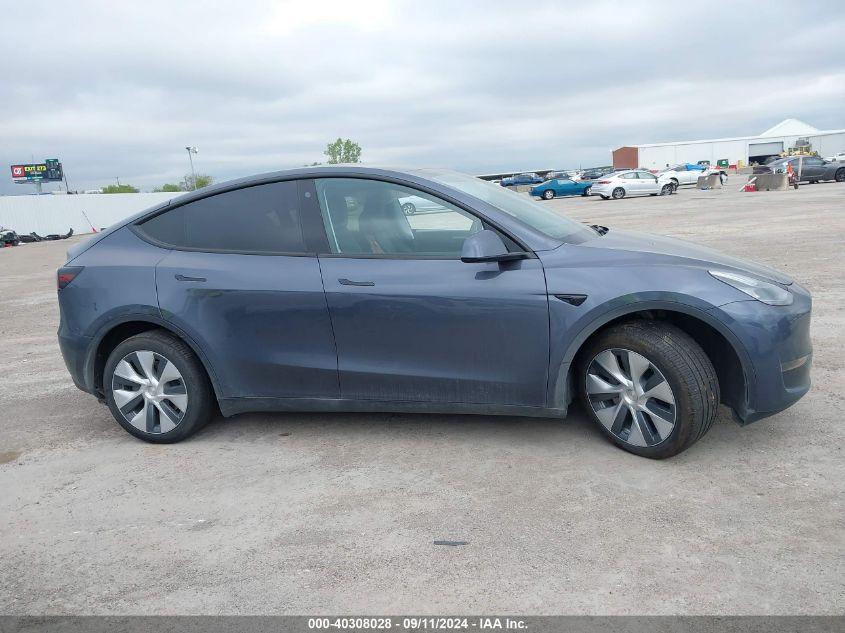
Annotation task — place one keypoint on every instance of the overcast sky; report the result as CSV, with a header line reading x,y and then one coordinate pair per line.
x,y
119,89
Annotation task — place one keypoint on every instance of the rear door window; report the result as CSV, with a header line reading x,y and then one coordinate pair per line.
x,y
260,219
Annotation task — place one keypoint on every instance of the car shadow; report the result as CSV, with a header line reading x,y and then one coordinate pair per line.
x,y
248,426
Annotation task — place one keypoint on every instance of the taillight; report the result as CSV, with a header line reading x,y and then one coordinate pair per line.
x,y
604,182
66,275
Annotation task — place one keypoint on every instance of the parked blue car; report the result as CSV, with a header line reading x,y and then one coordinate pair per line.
x,y
561,187
521,179
311,290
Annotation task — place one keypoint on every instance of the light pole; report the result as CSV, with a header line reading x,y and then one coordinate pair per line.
x,y
192,150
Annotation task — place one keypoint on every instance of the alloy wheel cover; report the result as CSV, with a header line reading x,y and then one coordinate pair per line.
x,y
631,397
150,392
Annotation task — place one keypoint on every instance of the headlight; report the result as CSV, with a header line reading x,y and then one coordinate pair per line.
x,y
768,293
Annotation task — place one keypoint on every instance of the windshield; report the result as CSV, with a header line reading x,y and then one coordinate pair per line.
x,y
523,208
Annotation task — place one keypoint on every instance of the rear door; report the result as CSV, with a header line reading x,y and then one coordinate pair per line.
x,y
813,168
242,279
413,323
630,183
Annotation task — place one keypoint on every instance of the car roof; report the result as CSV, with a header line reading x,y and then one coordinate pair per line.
x,y
420,177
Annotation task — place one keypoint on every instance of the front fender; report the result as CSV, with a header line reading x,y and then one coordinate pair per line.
x,y
570,330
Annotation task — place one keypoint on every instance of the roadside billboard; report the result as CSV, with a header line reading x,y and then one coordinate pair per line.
x,y
48,171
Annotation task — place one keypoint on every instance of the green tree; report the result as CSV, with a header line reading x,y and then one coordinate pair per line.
x,y
202,180
120,189
168,187
343,151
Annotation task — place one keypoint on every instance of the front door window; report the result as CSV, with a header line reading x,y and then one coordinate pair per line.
x,y
371,217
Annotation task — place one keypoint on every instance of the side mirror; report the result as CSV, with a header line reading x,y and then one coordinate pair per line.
x,y
487,246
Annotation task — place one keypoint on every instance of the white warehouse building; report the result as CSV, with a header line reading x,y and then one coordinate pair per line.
x,y
742,150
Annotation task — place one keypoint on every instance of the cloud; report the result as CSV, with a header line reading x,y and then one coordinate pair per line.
x,y
117,90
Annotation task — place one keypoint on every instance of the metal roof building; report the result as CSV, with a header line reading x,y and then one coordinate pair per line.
x,y
746,149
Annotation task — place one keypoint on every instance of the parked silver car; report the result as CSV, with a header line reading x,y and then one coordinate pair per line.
x,y
634,182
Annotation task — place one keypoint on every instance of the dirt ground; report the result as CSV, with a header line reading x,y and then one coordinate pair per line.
x,y
329,513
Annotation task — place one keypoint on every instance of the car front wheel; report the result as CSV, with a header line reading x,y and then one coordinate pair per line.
x,y
649,387
548,194
157,389
666,190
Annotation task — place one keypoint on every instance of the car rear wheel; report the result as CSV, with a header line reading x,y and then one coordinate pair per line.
x,y
586,191
157,389
649,387
840,175
548,194
618,193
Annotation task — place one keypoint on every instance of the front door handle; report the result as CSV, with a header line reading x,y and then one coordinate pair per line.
x,y
185,278
348,282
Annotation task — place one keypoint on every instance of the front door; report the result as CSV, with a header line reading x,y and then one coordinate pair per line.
x,y
648,183
412,322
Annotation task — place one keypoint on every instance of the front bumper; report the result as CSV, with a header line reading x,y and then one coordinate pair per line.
x,y
779,352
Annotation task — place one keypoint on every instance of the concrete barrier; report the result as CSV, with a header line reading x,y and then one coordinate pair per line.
x,y
713,181
771,182
520,188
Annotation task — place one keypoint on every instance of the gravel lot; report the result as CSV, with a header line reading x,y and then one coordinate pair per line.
x,y
304,513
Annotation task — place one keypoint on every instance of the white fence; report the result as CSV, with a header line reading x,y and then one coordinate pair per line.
x,y
56,214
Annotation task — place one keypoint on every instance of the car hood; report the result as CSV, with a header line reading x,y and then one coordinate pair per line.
x,y
694,253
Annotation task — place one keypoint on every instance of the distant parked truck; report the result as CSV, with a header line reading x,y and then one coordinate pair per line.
x,y
596,172
529,178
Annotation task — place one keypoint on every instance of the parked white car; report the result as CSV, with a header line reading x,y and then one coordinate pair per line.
x,y
635,182
836,158
687,174
415,204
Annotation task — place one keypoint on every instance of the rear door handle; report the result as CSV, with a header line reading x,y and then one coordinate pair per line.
x,y
348,282
185,278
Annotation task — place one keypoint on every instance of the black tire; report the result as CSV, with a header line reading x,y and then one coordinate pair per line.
x,y
667,190
586,191
618,193
840,175
201,400
548,194
686,368
675,182
409,209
